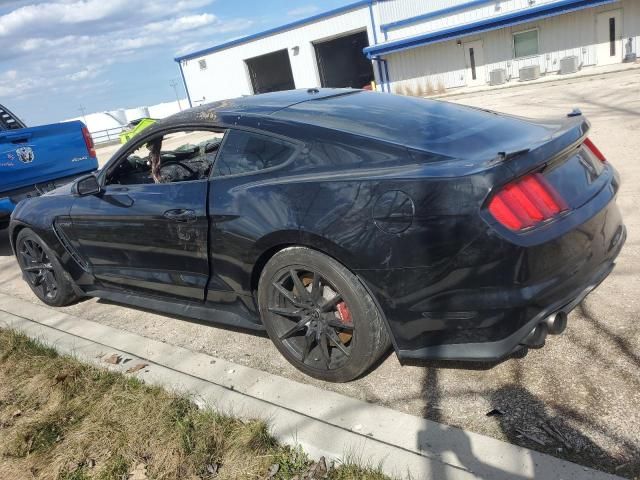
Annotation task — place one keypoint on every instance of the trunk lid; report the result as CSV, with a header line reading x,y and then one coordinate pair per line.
x,y
554,183
569,166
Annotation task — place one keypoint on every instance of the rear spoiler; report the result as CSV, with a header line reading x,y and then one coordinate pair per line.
x,y
571,133
8,121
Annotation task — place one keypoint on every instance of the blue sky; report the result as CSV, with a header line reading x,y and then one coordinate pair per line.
x,y
57,55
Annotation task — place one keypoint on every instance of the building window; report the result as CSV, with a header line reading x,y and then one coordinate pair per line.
x,y
203,64
525,44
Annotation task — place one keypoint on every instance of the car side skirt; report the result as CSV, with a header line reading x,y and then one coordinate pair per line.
x,y
234,316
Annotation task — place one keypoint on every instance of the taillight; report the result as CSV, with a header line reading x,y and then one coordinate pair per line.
x,y
526,203
88,140
595,150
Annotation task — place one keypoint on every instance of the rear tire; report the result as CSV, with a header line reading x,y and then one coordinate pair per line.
x,y
324,323
42,271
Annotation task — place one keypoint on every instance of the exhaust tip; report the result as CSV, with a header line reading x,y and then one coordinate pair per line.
x,y
537,336
556,323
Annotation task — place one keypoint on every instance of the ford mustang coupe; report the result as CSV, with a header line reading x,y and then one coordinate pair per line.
x,y
342,222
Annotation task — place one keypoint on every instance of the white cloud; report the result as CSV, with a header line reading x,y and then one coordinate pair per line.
x,y
84,74
59,43
303,11
180,24
74,14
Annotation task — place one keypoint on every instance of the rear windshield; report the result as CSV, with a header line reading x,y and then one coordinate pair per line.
x,y
442,128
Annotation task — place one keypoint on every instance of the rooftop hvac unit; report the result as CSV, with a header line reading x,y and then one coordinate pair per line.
x,y
569,65
531,72
498,76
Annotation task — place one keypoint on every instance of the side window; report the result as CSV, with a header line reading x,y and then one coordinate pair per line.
x,y
245,152
174,157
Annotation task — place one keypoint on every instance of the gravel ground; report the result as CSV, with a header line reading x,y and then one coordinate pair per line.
x,y
579,396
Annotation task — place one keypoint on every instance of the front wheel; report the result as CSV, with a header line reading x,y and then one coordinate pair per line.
x,y
41,270
319,315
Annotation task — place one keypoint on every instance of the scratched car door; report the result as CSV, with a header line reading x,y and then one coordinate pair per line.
x,y
146,237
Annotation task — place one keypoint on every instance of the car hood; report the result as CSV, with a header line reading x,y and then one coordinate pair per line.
x,y
63,190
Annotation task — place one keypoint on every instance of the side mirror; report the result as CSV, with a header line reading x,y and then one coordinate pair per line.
x,y
87,185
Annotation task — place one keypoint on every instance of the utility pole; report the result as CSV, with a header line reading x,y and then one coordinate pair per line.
x,y
83,111
174,84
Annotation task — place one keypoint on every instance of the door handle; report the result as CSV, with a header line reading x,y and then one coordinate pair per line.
x,y
181,215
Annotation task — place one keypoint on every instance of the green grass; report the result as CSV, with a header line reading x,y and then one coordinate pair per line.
x,y
64,420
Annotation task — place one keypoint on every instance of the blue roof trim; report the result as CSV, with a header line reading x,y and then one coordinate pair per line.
x,y
271,31
436,13
510,19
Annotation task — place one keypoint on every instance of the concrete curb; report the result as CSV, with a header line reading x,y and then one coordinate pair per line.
x,y
322,422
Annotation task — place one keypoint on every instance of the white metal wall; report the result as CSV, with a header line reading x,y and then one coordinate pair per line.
x,y
425,69
442,65
480,12
227,76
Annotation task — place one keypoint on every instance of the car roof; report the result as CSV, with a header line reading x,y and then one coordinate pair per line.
x,y
440,128
262,104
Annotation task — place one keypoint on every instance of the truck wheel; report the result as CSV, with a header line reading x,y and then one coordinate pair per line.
x,y
42,271
319,315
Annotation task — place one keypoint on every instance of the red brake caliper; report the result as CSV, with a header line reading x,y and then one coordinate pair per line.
x,y
345,317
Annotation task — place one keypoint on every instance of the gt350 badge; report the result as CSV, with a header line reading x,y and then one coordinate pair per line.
x,y
25,154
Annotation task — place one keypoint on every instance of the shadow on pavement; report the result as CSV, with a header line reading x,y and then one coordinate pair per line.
x,y
462,449
528,422
212,323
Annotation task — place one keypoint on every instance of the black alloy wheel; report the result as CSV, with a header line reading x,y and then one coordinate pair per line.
x,y
42,271
319,315
37,268
314,321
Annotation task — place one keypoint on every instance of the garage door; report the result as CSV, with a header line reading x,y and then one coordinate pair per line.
x,y
271,72
341,62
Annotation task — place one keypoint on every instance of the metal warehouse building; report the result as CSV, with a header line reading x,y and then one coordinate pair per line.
x,y
418,47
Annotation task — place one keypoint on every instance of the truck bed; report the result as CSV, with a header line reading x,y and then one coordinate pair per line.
x,y
37,159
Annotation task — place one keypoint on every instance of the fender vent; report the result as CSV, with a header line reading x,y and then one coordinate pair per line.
x,y
57,224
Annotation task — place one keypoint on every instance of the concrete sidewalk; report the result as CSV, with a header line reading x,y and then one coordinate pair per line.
x,y
322,422
550,79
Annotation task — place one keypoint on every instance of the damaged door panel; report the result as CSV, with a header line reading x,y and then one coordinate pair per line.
x,y
132,241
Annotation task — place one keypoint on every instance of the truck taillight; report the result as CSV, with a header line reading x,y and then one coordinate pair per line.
x,y
88,140
595,150
526,203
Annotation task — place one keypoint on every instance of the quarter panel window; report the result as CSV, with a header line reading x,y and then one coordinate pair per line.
x,y
525,44
245,152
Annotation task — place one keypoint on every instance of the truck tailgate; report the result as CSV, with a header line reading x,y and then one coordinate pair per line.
x,y
38,155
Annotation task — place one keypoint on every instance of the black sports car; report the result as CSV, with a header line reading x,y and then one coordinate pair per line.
x,y
342,222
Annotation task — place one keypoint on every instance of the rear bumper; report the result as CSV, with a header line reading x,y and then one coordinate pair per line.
x,y
482,304
492,351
